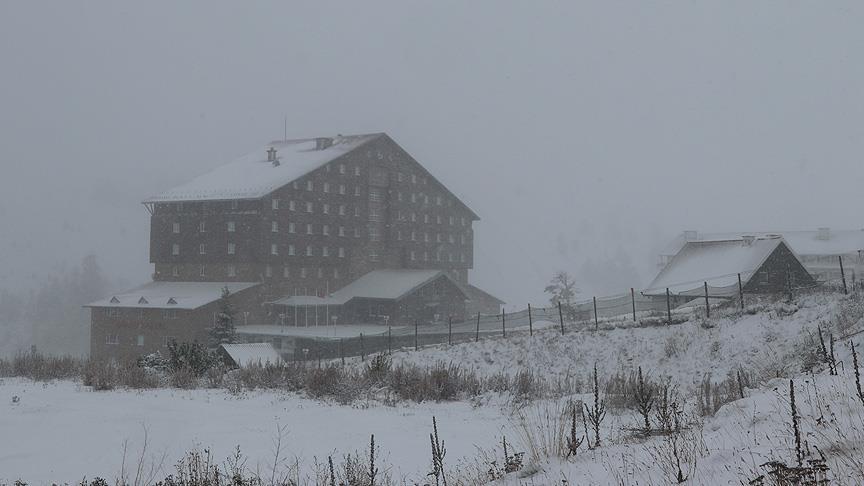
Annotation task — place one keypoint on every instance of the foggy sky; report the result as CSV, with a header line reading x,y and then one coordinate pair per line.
x,y
576,130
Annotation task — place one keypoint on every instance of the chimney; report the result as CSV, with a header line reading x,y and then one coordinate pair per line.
x,y
690,235
271,157
748,239
322,143
823,234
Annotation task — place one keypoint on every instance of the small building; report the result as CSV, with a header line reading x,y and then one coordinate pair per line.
x,y
249,354
480,301
765,265
819,251
145,319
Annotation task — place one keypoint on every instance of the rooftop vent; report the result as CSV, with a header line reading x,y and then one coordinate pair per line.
x,y
271,157
823,234
748,239
690,235
322,143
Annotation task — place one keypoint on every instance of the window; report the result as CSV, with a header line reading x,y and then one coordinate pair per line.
x,y
232,271
413,217
399,196
375,195
202,271
341,252
438,237
398,235
325,209
462,239
464,222
232,248
168,340
413,256
462,257
374,235
291,228
113,312
290,250
175,249
451,220
176,228
112,339
292,205
175,272
341,168
286,272
201,227
413,236
326,187
451,238
425,256
325,230
308,228
231,226
274,249
413,179
375,215
202,249
320,273
341,210
295,185
308,207
309,250
303,272
274,204
426,237
169,314
356,211
356,232
413,197
325,251
274,227
438,219
341,231
336,274
356,170
426,218
438,200
268,271
356,190
342,189
139,341
425,199
310,186
399,176
234,205
373,255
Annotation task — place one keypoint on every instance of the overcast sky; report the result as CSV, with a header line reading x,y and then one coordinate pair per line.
x,y
576,130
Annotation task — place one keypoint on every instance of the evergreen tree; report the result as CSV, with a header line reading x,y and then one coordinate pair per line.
x,y
563,289
223,331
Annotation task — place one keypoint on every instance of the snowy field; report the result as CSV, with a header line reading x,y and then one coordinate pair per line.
x,y
61,431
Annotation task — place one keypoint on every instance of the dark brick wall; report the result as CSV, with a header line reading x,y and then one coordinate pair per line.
x,y
780,270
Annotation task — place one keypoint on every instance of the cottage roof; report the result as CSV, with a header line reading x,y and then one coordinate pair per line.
x,y
803,243
717,262
253,176
171,295
252,353
377,284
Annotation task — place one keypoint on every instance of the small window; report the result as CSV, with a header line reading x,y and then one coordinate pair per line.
x,y
168,314
325,208
374,235
438,200
413,256
310,186
290,250
341,168
309,229
139,341
234,205
341,210
399,176
231,226
464,222
341,231
398,235
202,249
232,271
413,217
438,237
356,232
202,228
438,219
336,274
232,248
342,189
325,230
168,340
356,170
175,272
274,227
268,271
356,190
274,204
303,272
356,211
426,218
413,179
425,256
326,187
373,255
292,206
176,228
451,220
112,339
308,207
413,197
309,250
413,236
325,251
175,249
341,252
203,271
451,238
291,228
274,249
286,272
320,272
399,196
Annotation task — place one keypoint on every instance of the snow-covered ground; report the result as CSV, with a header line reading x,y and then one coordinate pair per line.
x,y
62,431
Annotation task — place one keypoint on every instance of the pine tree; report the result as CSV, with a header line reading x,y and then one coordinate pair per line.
x,y
223,332
562,288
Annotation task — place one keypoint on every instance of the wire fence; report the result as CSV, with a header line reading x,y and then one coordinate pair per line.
x,y
673,305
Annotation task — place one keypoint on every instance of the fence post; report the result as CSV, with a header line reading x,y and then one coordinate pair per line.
x,y
362,349
389,339
633,301
668,308
596,321
477,332
503,325
843,275
342,350
530,322
740,292
707,306
450,330
561,317
416,330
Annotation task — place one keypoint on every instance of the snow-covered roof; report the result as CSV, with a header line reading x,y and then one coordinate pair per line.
x,y
377,284
252,353
717,262
171,295
252,176
325,331
819,242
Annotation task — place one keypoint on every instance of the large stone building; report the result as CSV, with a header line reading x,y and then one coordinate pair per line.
x,y
306,218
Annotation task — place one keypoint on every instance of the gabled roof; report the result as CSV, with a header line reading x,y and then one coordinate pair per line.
x,y
475,293
377,284
717,262
252,353
171,295
831,242
252,176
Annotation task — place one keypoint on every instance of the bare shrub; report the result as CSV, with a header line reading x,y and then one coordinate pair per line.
x,y
100,375
183,378
710,396
37,366
677,454
543,430
645,395
130,375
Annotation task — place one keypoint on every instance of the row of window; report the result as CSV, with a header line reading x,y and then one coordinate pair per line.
x,y
167,314
413,236
412,216
310,229
423,198
438,257
274,249
114,339
231,271
309,207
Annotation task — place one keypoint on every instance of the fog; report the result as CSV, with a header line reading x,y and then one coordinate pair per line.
x,y
584,134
